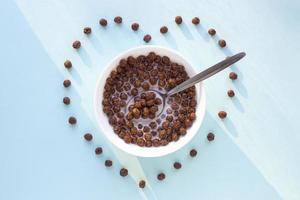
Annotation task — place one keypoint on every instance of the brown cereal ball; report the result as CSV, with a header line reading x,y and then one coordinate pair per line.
x,y
135,26
142,184
147,38
164,29
211,31
87,30
76,44
103,22
196,21
178,20
222,43
118,20
222,114
210,137
230,93
233,76
193,152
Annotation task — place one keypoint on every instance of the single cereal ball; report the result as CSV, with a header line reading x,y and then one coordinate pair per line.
x,y
118,20
178,20
140,141
66,100
230,93
146,87
137,84
170,118
103,22
177,165
142,184
182,131
76,44
108,163
192,116
148,143
193,152
72,120
123,172
155,142
135,26
161,176
147,38
222,43
88,137
158,101
162,134
211,31
117,129
188,123
210,137
196,21
136,113
87,30
146,129
222,114
233,76
68,64
134,92
164,29
98,151
147,136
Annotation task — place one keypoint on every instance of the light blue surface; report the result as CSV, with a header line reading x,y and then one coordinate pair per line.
x,y
256,151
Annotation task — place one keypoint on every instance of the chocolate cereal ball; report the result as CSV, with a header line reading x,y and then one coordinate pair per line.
x,y
210,137
211,31
68,64
72,120
87,30
164,29
233,76
230,93
118,20
178,20
135,26
147,38
103,22
222,114
76,44
196,21
142,184
222,43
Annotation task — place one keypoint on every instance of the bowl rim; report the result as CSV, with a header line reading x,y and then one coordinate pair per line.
x,y
133,149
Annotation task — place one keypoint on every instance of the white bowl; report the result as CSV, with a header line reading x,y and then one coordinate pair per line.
x,y
134,149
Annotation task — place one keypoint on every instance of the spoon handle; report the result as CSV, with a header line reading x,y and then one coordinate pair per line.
x,y
207,73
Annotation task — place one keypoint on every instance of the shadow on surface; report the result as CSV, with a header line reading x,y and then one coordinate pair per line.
x,y
219,171
202,32
237,83
230,126
170,40
85,57
140,33
241,88
95,42
185,30
237,103
76,76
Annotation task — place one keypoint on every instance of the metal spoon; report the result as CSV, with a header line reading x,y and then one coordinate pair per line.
x,y
201,76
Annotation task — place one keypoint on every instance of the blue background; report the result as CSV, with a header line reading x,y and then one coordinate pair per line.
x,y
256,151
